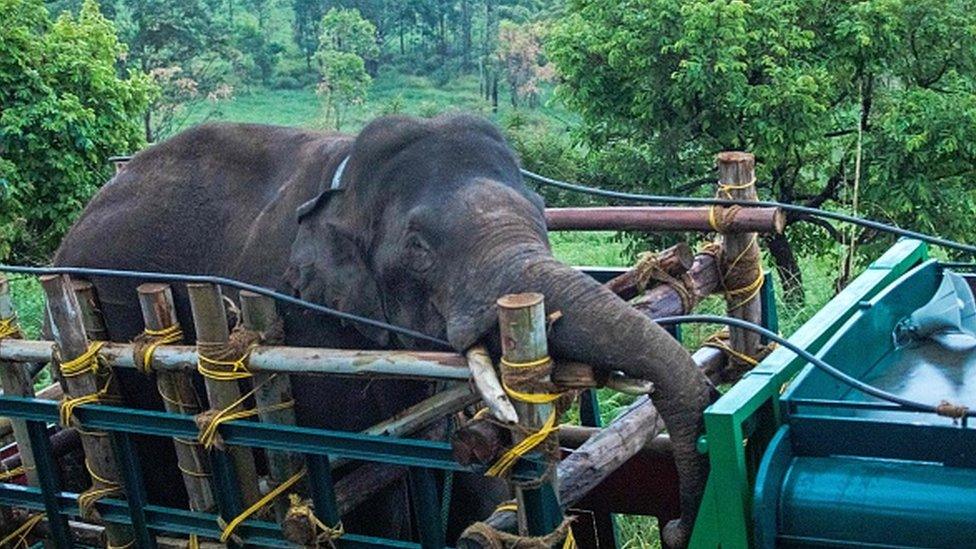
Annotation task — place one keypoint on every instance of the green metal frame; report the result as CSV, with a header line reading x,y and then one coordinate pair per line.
x,y
425,458
739,426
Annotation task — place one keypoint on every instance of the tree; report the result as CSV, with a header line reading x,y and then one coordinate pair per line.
x,y
346,41
662,85
307,17
175,36
520,55
252,39
64,110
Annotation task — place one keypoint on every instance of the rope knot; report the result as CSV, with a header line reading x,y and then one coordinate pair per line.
x,y
146,343
950,410
302,527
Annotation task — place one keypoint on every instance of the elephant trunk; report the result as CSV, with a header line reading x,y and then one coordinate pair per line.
x,y
598,328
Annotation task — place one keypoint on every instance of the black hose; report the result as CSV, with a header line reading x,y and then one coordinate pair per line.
x,y
229,282
812,212
809,357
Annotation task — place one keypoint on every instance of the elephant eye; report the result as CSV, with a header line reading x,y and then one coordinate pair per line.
x,y
418,253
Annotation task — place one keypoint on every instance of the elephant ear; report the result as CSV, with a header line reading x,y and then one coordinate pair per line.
x,y
328,267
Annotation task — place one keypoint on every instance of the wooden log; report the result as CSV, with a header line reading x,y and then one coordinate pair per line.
x,y
67,326
258,313
486,381
522,327
576,375
180,397
737,174
663,300
91,311
421,365
210,321
662,218
675,261
16,382
593,461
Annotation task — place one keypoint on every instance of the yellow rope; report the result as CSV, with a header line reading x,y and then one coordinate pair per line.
x,y
66,408
298,509
83,363
530,364
88,498
194,542
155,338
718,343
123,546
211,421
532,398
229,528
12,474
505,463
21,533
9,328
238,368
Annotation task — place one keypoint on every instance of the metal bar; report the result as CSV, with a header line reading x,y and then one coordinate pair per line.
x,y
426,504
406,452
256,532
48,478
769,312
135,489
228,491
323,489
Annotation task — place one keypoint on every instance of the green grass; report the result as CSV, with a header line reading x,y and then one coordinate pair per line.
x,y
390,93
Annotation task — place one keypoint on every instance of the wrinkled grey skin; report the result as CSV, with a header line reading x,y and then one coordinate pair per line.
x,y
433,224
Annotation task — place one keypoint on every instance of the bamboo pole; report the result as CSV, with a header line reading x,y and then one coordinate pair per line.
x,y
210,320
421,365
179,397
258,313
663,300
737,178
674,261
91,311
67,326
658,218
592,462
16,382
522,325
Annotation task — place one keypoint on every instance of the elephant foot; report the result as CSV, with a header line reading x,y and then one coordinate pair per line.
x,y
676,534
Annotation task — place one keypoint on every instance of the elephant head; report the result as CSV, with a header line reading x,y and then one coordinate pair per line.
x,y
432,223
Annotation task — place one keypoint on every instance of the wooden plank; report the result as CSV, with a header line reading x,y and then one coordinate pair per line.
x,y
662,218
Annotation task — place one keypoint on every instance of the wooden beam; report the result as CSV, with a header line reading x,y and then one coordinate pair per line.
x,y
660,218
675,261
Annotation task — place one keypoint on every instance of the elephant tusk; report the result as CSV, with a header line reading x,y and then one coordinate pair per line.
x,y
488,385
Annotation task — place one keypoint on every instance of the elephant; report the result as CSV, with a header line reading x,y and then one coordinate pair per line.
x,y
421,223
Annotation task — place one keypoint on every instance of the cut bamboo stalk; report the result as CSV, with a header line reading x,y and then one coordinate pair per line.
x,y
675,261
663,300
91,311
486,381
422,365
180,397
592,462
662,219
16,382
737,171
522,326
67,326
258,313
210,320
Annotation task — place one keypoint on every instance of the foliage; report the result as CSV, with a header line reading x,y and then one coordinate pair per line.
x,y
520,54
346,41
63,111
667,84
305,27
255,42
184,46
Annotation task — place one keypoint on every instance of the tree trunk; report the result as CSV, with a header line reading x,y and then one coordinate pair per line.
x,y
466,35
787,267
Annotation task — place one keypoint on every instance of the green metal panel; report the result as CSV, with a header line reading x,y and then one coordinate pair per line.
x,y
725,517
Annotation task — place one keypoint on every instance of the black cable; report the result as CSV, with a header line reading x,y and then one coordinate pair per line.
x,y
813,212
229,282
807,356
